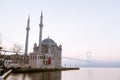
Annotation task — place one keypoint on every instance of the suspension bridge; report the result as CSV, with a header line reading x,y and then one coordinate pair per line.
x,y
66,61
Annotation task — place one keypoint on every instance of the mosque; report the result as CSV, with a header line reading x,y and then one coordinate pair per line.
x,y
47,54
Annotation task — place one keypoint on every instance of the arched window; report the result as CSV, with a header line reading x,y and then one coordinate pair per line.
x,y
35,57
30,57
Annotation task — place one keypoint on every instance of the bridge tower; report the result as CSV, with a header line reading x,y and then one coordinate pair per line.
x,y
89,58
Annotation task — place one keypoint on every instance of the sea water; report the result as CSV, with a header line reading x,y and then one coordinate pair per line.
x,y
82,74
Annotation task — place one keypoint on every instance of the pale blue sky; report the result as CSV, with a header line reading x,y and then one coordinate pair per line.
x,y
79,25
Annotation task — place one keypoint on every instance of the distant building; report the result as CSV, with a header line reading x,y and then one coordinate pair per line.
x,y
14,61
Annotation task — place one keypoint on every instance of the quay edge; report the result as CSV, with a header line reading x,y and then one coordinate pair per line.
x,y
31,70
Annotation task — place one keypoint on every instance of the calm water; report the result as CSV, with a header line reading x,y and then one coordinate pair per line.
x,y
82,74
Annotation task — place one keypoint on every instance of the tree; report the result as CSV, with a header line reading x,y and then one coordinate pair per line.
x,y
17,48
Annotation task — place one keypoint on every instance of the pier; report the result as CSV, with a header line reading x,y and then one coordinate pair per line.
x,y
5,74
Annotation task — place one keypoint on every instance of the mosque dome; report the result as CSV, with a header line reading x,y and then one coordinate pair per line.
x,y
48,41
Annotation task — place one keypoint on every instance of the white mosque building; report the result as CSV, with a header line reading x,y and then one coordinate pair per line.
x,y
47,54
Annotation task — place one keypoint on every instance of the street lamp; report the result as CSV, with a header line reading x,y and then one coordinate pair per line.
x,y
0,54
0,49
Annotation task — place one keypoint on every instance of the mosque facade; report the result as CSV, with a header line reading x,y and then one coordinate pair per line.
x,y
49,57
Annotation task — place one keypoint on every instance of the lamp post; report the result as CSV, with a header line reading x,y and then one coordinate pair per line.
x,y
0,49
0,54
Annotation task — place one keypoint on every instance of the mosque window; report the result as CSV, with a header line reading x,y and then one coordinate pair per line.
x,y
30,57
33,56
41,57
57,55
38,57
46,62
44,57
45,51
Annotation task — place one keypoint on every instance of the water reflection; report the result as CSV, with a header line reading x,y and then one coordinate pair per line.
x,y
36,76
89,73
82,74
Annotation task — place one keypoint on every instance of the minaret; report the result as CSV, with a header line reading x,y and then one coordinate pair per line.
x,y
27,36
40,33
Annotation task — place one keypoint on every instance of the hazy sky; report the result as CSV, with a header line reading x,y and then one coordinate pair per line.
x,y
79,25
